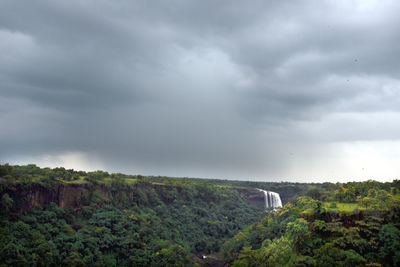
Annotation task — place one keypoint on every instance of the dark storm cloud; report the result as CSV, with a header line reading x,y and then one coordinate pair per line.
x,y
196,88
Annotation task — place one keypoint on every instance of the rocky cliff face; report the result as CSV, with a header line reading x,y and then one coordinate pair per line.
x,y
64,195
77,195
253,196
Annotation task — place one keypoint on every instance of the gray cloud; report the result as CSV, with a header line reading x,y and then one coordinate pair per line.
x,y
244,90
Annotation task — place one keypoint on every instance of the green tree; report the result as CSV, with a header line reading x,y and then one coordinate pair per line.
x,y
303,261
74,259
5,170
315,193
384,199
7,203
248,257
297,231
174,255
368,202
330,256
279,252
390,238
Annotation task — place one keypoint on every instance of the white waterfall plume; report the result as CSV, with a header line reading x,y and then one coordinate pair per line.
x,y
272,200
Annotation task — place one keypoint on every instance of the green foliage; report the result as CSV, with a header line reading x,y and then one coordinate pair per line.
x,y
5,170
162,235
174,255
112,222
297,231
390,239
329,255
135,220
6,203
315,193
368,202
303,261
278,252
275,253
349,233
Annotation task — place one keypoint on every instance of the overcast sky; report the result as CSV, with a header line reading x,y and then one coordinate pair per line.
x,y
255,90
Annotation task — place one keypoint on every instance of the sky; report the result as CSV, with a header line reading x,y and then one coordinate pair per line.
x,y
305,91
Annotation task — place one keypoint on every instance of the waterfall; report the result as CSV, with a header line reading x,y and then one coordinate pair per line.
x,y
272,200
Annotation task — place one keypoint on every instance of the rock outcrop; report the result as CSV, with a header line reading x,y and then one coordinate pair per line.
x,y
253,196
76,196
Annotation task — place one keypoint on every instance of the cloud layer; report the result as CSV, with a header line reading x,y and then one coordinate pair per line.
x,y
267,90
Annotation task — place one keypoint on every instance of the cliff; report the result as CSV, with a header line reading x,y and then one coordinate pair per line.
x,y
253,196
64,195
75,196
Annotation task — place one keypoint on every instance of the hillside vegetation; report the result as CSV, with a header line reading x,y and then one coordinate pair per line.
x,y
113,219
59,217
354,224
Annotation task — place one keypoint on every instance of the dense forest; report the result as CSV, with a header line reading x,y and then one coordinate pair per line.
x,y
60,217
113,219
352,224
